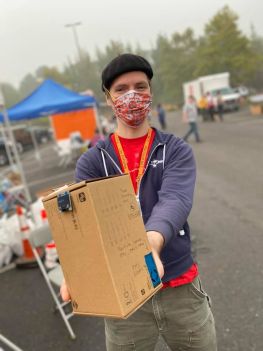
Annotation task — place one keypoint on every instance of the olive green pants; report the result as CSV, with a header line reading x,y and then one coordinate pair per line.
x,y
181,315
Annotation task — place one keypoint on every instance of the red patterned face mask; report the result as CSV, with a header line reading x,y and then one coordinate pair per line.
x,y
132,107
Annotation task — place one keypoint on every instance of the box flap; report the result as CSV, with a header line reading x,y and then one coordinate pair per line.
x,y
74,186
64,188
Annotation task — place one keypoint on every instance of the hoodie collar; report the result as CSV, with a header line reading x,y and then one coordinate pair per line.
x,y
160,138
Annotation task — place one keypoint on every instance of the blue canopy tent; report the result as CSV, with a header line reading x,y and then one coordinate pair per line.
x,y
49,98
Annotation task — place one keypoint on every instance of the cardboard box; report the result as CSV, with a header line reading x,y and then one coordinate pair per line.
x,y
256,109
103,247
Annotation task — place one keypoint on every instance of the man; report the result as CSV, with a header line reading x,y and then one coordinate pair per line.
x,y
162,171
96,137
211,106
161,116
202,107
190,116
220,105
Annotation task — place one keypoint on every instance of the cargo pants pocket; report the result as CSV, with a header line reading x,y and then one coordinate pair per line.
x,y
117,339
204,338
197,289
111,346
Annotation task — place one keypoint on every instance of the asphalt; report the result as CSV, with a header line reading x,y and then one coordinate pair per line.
x,y
227,230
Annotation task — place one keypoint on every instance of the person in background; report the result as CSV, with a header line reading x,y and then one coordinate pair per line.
x,y
161,116
190,115
203,107
220,105
97,136
107,125
162,171
210,106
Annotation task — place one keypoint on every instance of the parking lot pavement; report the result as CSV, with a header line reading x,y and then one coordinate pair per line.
x,y
227,228
227,224
27,317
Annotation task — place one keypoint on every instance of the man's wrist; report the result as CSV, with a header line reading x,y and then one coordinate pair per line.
x,y
156,240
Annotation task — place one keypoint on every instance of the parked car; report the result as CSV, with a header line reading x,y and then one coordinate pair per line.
x,y
42,134
213,84
231,99
24,140
242,90
23,136
3,153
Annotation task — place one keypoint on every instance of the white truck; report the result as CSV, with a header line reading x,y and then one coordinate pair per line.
x,y
212,84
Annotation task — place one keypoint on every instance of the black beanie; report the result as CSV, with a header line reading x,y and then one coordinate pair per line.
x,y
122,64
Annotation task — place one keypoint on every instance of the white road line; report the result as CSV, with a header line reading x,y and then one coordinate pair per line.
x,y
36,170
43,180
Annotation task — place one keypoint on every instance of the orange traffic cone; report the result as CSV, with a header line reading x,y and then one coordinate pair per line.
x,y
28,258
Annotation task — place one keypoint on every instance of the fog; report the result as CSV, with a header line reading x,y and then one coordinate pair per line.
x,y
33,32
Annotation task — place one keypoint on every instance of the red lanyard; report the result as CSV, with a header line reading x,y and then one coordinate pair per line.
x,y
143,156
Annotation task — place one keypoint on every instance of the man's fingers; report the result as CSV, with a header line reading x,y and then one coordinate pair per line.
x,y
160,268
64,292
159,264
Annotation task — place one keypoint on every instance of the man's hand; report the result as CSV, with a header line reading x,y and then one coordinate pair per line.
x,y
64,292
156,241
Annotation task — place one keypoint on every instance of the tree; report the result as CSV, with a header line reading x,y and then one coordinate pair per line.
x,y
71,75
161,56
113,49
27,85
11,95
256,44
174,64
45,72
87,75
223,48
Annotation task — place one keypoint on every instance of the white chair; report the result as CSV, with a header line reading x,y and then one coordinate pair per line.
x,y
77,144
63,149
39,237
9,343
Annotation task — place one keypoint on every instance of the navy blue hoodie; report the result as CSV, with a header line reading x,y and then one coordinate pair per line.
x,y
165,193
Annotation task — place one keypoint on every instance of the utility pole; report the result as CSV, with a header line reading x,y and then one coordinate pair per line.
x,y
75,35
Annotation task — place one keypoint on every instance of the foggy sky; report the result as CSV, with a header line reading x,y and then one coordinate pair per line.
x,y
33,33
